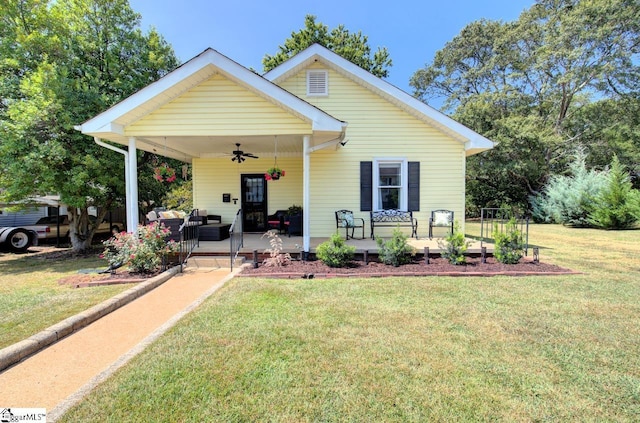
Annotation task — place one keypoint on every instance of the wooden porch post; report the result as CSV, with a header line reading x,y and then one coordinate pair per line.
x,y
132,184
306,198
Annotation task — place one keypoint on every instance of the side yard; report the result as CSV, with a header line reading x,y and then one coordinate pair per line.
x,y
561,348
31,298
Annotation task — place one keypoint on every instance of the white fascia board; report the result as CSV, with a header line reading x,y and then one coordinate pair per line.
x,y
470,138
233,70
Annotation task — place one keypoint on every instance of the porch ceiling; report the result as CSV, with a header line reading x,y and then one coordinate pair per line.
x,y
186,148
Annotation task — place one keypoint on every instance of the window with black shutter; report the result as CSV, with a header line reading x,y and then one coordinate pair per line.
x,y
389,184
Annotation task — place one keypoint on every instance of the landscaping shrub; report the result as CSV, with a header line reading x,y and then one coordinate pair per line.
x,y
618,204
334,252
276,256
395,251
143,252
509,245
567,199
454,246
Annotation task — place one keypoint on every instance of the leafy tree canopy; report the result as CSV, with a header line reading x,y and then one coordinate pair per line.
x,y
565,73
62,62
352,46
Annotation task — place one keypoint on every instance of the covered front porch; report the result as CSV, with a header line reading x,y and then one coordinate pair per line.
x,y
231,125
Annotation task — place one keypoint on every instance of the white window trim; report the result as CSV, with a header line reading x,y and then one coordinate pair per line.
x,y
326,83
404,177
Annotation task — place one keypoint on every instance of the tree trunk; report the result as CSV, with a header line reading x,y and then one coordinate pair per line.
x,y
80,230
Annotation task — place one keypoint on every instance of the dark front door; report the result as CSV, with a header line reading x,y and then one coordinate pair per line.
x,y
254,203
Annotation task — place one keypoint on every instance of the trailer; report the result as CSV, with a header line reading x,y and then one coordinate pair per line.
x,y
17,239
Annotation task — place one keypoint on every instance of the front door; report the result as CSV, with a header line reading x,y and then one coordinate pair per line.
x,y
254,202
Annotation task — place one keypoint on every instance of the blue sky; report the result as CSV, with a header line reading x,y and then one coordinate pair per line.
x,y
412,30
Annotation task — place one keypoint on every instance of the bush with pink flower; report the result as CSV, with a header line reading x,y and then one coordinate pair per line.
x,y
143,252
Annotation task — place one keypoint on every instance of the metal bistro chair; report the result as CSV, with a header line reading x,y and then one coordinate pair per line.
x,y
440,219
345,219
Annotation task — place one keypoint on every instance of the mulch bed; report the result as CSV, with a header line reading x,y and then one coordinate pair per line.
x,y
436,267
85,280
89,277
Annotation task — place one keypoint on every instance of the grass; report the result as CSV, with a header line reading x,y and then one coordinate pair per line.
x,y
562,348
31,298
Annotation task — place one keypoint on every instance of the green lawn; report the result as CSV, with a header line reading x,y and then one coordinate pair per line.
x,y
31,298
564,348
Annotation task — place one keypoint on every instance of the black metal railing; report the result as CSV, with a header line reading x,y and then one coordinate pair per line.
x,y
236,239
496,219
188,240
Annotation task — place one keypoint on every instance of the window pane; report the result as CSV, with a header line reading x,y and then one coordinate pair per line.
x,y
389,174
389,198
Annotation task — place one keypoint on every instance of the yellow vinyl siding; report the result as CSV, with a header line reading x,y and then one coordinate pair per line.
x,y
218,176
218,106
378,129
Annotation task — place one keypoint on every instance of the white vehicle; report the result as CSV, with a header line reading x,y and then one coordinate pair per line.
x,y
18,240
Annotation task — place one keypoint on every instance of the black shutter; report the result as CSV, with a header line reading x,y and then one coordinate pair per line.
x,y
414,186
366,186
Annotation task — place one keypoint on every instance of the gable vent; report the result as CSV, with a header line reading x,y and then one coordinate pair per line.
x,y
317,82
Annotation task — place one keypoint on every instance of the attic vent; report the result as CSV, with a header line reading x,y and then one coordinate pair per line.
x,y
317,82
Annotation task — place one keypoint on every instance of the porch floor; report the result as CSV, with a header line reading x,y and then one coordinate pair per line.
x,y
293,245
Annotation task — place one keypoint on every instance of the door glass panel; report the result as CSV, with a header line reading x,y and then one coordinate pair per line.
x,y
254,203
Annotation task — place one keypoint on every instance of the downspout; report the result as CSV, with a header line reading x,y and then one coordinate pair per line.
x,y
307,149
132,219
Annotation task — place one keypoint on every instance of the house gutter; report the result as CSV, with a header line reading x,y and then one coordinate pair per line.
x,y
130,179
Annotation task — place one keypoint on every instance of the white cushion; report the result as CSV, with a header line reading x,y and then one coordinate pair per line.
x,y
442,219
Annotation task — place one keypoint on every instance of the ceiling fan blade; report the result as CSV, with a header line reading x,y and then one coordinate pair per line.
x,y
251,155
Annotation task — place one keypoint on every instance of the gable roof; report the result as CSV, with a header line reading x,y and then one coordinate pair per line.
x,y
474,142
111,123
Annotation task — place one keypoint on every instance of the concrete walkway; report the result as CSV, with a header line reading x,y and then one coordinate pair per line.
x,y
59,376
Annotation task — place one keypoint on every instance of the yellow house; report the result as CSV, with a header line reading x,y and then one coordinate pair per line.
x,y
345,138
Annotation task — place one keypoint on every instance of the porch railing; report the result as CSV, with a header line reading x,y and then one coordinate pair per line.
x,y
496,219
189,239
236,239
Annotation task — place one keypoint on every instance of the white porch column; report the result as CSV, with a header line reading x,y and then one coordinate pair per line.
x,y
132,187
306,197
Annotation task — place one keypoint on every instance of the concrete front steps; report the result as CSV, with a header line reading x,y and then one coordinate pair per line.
x,y
207,262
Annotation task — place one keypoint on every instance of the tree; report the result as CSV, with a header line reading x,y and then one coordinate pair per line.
x,y
612,127
352,46
569,199
538,73
618,205
63,62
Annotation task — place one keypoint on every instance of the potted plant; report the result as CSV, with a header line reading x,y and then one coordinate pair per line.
x,y
274,173
164,173
294,216
294,210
